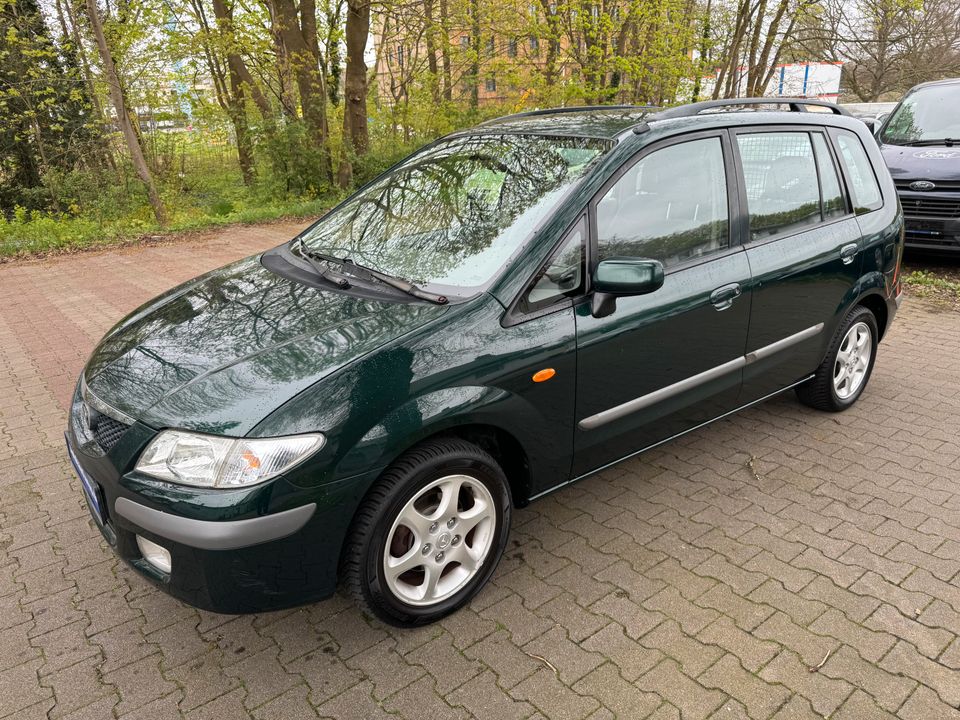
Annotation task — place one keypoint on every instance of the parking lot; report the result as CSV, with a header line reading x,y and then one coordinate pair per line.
x,y
780,563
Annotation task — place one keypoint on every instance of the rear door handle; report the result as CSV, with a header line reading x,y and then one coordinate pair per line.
x,y
849,252
723,297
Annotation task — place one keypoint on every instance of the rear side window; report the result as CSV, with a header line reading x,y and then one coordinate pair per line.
x,y
865,190
781,182
834,205
670,206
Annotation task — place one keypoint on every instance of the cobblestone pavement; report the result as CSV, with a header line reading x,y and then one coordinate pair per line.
x,y
781,563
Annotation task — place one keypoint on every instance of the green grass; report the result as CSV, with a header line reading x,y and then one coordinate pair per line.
x,y
930,284
39,233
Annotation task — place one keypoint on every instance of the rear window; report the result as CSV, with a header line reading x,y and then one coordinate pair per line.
x,y
865,190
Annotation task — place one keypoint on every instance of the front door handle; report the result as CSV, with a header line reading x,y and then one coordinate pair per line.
x,y
849,252
723,297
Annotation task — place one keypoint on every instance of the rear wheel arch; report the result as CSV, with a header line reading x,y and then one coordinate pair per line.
x,y
875,303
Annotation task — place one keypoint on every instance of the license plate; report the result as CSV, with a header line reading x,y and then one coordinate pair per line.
x,y
89,487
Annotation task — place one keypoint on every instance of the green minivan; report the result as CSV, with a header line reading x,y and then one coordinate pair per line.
x,y
508,310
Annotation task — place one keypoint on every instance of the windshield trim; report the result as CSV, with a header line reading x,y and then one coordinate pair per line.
x,y
464,292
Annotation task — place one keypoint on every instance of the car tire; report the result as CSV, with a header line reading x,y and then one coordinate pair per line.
x,y
846,368
414,556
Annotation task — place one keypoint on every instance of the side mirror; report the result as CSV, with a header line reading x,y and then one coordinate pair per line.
x,y
871,124
622,276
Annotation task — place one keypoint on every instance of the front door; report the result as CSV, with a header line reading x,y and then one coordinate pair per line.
x,y
803,248
664,362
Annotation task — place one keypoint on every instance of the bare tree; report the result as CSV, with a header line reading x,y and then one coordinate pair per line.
x,y
887,45
112,78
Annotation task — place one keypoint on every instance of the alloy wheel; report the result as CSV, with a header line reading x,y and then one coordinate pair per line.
x,y
439,540
853,360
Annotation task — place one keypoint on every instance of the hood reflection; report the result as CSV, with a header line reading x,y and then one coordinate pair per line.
x,y
235,346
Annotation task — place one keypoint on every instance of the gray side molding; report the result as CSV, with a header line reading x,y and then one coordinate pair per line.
x,y
644,401
773,348
215,535
664,393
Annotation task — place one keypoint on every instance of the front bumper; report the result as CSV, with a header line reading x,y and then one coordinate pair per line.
x,y
271,546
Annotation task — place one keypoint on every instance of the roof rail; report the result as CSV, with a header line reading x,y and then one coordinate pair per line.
x,y
568,109
795,105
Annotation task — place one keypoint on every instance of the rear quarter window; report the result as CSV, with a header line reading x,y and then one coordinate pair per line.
x,y
864,190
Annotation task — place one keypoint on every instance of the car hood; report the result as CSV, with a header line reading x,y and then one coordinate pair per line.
x,y
221,352
931,162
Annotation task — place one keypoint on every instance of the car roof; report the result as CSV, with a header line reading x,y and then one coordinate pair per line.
x,y
613,122
605,122
945,81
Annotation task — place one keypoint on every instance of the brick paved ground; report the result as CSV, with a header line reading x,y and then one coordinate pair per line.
x,y
693,582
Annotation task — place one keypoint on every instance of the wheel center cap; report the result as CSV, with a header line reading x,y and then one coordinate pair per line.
x,y
443,541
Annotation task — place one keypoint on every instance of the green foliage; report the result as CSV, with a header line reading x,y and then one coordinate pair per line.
x,y
927,279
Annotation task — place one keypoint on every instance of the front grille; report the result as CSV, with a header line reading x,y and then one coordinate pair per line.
x,y
938,186
930,206
107,431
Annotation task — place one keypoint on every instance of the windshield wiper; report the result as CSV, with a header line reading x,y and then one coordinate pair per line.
x,y
314,258
949,142
366,273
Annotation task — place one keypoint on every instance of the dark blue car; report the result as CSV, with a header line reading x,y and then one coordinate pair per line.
x,y
920,141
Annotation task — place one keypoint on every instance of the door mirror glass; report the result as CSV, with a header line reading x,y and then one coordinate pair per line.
x,y
628,276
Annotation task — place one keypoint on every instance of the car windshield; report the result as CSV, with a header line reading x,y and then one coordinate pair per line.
x,y
453,214
929,114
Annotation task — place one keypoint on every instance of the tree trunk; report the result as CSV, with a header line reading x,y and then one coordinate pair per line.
x,y
431,38
476,48
355,87
332,61
123,118
236,98
88,80
445,51
299,37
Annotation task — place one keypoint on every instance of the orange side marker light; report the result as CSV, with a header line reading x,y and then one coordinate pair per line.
x,y
544,375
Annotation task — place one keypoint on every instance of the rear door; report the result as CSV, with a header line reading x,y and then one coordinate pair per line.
x,y
803,246
665,361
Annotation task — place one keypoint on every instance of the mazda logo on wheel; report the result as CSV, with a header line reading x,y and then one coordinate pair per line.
x,y
922,185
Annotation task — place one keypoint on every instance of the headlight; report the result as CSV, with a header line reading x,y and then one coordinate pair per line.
x,y
213,461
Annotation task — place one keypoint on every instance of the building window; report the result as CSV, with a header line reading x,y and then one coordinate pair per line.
x,y
491,84
512,48
491,45
400,55
534,44
464,42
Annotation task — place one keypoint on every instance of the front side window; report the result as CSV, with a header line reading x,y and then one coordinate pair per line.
x,y
452,215
670,206
866,192
780,176
563,274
